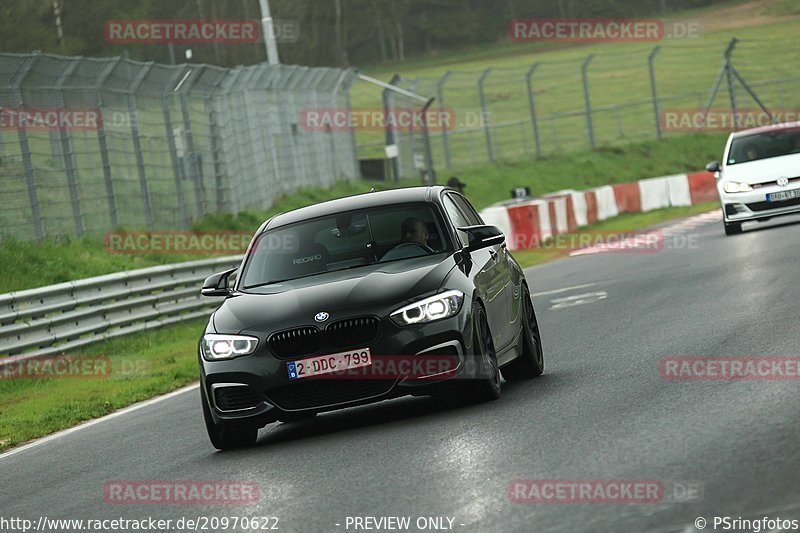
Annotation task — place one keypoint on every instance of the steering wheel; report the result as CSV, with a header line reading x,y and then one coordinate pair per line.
x,y
420,245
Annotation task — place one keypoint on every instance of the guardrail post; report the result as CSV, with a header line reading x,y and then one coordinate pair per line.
x,y
445,134
485,113
532,104
587,99
653,90
137,144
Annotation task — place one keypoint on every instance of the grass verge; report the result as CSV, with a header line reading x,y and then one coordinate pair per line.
x,y
159,361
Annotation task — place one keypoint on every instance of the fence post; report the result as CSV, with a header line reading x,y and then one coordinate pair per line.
x,y
487,130
195,168
102,141
589,123
729,75
25,150
653,90
445,135
430,177
137,143
391,134
532,104
67,151
173,150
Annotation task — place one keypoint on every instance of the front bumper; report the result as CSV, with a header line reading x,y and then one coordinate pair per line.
x,y
753,205
258,388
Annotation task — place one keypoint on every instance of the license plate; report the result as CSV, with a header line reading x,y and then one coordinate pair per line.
x,y
783,195
329,364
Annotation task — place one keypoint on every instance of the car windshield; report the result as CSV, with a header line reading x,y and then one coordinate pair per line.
x,y
764,146
348,240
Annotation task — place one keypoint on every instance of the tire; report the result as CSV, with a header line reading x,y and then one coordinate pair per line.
x,y
230,435
734,228
531,363
487,386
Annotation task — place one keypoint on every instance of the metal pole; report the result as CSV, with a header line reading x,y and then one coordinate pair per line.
x,y
25,149
102,141
589,123
268,29
67,153
751,92
137,144
391,134
431,173
651,65
532,104
485,113
445,135
720,74
731,91
173,150
195,168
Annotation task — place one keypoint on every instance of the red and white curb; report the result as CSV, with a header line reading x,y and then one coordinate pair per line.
x,y
528,224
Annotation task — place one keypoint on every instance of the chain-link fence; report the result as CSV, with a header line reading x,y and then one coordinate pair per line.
x,y
518,110
89,145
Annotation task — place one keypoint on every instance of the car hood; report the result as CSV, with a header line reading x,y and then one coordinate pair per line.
x,y
372,289
764,170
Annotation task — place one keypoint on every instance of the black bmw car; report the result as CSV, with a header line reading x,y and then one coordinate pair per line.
x,y
362,299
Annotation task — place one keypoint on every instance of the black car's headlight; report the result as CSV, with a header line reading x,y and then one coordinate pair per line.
x,y
430,309
220,347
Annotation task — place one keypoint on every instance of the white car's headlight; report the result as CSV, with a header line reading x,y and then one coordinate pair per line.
x,y
735,186
220,347
430,309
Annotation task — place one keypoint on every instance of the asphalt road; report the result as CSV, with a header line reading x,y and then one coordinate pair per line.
x,y
601,411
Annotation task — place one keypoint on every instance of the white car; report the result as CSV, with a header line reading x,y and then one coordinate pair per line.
x,y
760,175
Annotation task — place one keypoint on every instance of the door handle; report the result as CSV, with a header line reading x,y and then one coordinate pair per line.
x,y
493,254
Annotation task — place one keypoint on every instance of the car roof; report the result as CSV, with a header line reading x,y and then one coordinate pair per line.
x,y
762,129
352,203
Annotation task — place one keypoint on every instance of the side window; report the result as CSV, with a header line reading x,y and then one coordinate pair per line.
x,y
465,207
458,219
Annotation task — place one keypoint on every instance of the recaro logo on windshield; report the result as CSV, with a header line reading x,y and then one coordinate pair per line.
x,y
309,259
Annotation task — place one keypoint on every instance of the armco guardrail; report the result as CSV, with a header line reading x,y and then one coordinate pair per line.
x,y
50,320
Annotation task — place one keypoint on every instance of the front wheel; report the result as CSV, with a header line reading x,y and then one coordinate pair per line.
x,y
229,435
531,363
487,387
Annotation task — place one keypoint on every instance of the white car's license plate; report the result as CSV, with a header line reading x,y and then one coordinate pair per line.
x,y
329,364
783,195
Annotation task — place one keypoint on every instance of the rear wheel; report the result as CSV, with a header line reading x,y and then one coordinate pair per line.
x,y
228,435
531,363
487,387
734,228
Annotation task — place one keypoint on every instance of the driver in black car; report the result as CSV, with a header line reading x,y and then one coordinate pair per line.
x,y
414,230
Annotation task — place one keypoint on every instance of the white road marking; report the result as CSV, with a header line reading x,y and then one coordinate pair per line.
x,y
559,291
580,299
90,423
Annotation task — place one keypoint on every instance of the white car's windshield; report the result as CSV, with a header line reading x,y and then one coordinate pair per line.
x,y
764,146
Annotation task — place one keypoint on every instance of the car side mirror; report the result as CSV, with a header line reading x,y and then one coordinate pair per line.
x,y
217,285
713,166
480,237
